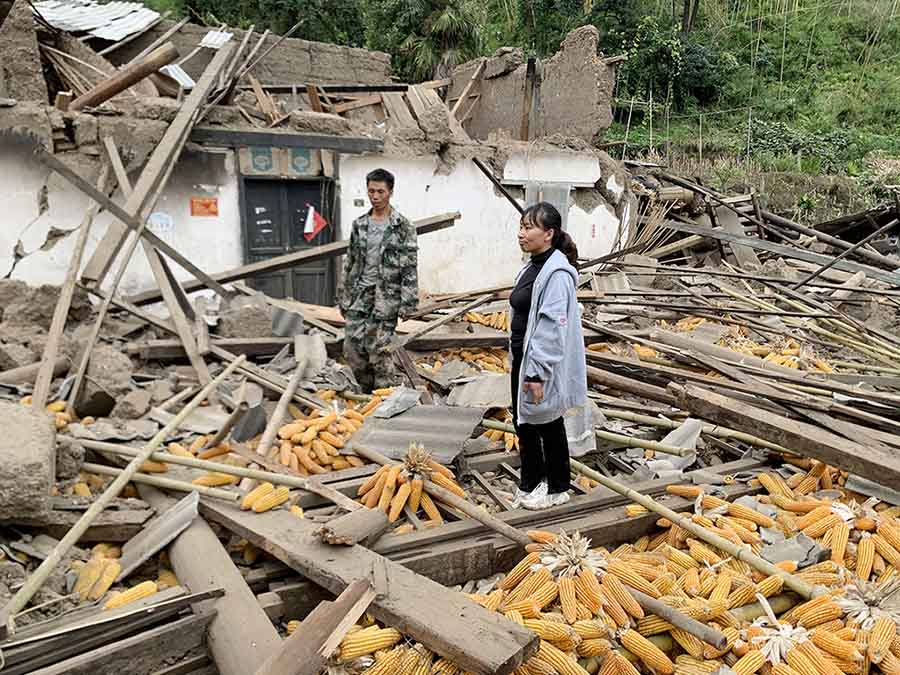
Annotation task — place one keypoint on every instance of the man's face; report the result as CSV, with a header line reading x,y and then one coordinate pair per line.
x,y
379,194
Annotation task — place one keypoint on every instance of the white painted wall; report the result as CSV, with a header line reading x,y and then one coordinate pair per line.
x,y
481,249
213,243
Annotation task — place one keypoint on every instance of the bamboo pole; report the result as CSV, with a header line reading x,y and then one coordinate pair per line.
x,y
737,552
166,483
622,439
39,576
298,482
233,418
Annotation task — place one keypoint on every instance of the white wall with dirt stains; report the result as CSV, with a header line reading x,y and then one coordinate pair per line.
x,y
481,249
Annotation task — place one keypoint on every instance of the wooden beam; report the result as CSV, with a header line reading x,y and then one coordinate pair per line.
x,y
126,77
469,85
530,77
155,171
443,620
241,637
231,138
364,102
145,652
307,650
423,226
812,441
61,311
446,318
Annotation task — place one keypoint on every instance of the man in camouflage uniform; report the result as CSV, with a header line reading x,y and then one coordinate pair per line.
x,y
380,284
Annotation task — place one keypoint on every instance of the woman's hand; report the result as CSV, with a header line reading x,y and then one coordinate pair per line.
x,y
536,389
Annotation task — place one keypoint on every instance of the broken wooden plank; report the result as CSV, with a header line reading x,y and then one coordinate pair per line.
x,y
423,226
784,251
158,534
446,318
445,621
155,171
363,102
309,648
527,101
145,652
113,526
812,441
232,138
240,636
363,526
476,76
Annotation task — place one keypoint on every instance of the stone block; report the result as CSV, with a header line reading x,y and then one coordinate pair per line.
x,y
133,405
27,464
108,380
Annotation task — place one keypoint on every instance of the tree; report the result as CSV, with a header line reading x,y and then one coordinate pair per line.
x,y
426,37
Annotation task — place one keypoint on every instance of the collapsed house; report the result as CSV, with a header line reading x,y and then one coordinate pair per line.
x,y
202,489
250,171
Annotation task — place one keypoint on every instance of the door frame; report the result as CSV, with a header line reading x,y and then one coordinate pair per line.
x,y
334,208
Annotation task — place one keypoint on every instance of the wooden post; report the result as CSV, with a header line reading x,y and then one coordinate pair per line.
x,y
36,580
61,312
468,88
126,77
530,75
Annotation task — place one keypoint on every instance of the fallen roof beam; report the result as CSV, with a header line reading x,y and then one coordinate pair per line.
x,y
241,637
248,137
785,251
423,226
287,88
810,440
442,619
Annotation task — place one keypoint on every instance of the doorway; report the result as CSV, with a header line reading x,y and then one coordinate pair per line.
x,y
274,217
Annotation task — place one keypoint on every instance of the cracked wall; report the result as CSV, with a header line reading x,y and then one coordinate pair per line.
x,y
42,213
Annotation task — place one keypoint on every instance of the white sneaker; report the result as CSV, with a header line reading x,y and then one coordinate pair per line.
x,y
529,499
537,503
558,499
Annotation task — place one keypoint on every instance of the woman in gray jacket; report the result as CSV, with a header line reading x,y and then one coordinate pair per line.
x,y
547,347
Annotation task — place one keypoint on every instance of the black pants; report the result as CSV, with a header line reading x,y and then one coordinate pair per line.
x,y
543,448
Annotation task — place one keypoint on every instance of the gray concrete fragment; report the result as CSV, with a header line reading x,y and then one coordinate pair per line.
x,y
765,509
14,355
133,405
161,390
246,317
108,379
801,549
69,458
27,463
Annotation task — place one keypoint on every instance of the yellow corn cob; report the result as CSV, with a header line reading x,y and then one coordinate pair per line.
x,y
389,488
702,553
745,512
612,607
444,667
594,647
722,589
839,536
634,510
783,669
255,494
398,502
558,660
528,608
111,570
820,527
387,663
519,572
166,579
139,592
430,509
649,654
844,650
361,643
687,491
269,501
890,532
81,490
214,479
801,663
529,585
591,629
630,578
820,615
749,663
881,636
372,480
415,493
626,600
549,630
566,589
448,484
541,536
793,615
587,591
88,576
545,594
515,617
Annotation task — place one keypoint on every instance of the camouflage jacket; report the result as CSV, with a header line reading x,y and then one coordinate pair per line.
x,y
397,285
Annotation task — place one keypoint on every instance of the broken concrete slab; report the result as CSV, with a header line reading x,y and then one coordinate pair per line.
x,y
21,71
69,458
27,463
133,405
246,317
108,379
14,355
34,307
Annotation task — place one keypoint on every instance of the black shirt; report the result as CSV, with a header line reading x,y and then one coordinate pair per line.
x,y
520,300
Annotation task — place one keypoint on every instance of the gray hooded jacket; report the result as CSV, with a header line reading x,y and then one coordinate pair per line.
x,y
554,345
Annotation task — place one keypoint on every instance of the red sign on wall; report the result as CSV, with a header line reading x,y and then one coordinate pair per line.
x,y
204,206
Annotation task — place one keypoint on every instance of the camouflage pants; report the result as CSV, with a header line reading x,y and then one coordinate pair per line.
x,y
367,348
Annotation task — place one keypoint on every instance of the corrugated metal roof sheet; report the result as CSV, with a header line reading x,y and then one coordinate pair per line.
x,y
178,74
111,21
214,39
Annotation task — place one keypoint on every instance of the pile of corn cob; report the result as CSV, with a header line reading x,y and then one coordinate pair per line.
x,y
498,320
61,418
576,597
492,359
97,575
395,486
510,440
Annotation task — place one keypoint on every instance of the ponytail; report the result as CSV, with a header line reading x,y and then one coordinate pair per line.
x,y
547,216
563,242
